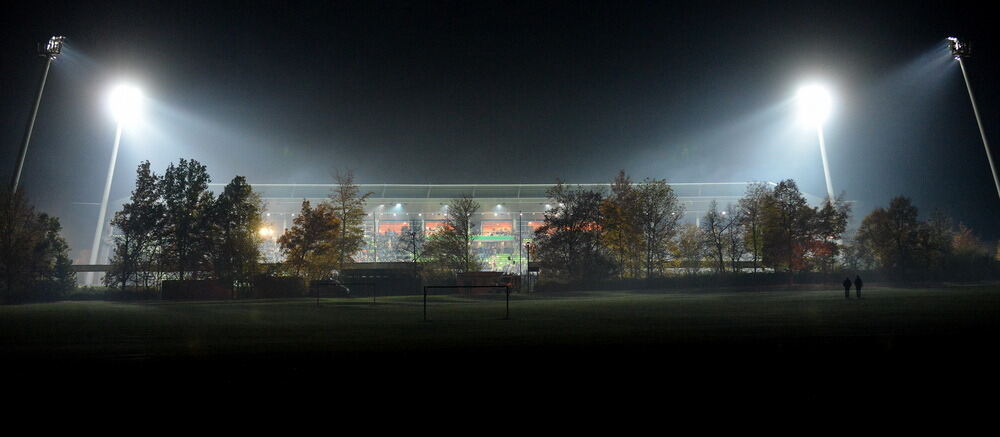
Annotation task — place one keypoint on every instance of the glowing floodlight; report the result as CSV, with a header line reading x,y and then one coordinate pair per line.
x,y
958,50
814,104
125,102
814,107
53,48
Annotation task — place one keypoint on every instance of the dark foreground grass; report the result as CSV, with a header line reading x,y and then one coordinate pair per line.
x,y
907,339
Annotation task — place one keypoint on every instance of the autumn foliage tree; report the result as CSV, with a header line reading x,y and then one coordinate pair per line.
x,y
569,241
309,245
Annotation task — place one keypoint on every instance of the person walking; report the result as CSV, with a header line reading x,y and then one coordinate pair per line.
x,y
857,285
847,288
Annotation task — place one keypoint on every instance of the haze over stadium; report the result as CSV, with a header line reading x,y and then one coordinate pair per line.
x,y
716,203
484,94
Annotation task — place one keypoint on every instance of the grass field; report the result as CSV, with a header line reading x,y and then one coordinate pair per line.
x,y
696,332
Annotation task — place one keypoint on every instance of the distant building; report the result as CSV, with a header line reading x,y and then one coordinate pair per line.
x,y
508,216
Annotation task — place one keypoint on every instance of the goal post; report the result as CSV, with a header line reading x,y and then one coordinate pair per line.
x,y
505,287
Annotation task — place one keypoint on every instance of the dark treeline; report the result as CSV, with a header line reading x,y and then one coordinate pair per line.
x,y
635,232
895,242
771,235
173,227
631,235
34,257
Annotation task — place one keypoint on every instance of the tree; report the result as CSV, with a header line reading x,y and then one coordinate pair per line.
x,y
829,225
186,237
724,236
348,205
622,235
51,268
689,248
734,236
787,224
136,244
934,243
891,235
34,257
411,241
752,207
856,255
569,240
309,245
236,219
451,246
714,227
658,213
970,257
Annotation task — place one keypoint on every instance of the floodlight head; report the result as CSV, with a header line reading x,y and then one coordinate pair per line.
x,y
52,48
125,102
814,104
958,50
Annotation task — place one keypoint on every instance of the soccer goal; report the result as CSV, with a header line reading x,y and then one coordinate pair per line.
x,y
468,292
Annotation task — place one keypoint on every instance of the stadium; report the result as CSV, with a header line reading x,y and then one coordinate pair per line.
x,y
508,215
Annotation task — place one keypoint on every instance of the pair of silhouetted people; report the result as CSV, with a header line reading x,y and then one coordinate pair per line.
x,y
857,286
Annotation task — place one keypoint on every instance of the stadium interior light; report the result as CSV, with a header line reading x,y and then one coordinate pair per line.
x,y
125,102
814,104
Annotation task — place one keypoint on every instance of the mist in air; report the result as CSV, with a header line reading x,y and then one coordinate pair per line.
x,y
483,95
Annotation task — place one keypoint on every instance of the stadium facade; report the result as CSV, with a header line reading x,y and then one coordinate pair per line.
x,y
507,218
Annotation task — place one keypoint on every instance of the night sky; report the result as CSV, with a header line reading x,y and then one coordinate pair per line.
x,y
482,92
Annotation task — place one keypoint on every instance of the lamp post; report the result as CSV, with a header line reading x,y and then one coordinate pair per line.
x,y
49,51
125,102
961,51
814,107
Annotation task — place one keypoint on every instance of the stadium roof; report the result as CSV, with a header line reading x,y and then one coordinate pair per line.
x,y
489,191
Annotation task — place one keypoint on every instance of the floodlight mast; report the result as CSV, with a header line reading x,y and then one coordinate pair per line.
x,y
961,51
51,50
814,107
125,103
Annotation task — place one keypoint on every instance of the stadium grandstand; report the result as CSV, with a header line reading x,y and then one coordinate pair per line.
x,y
508,215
